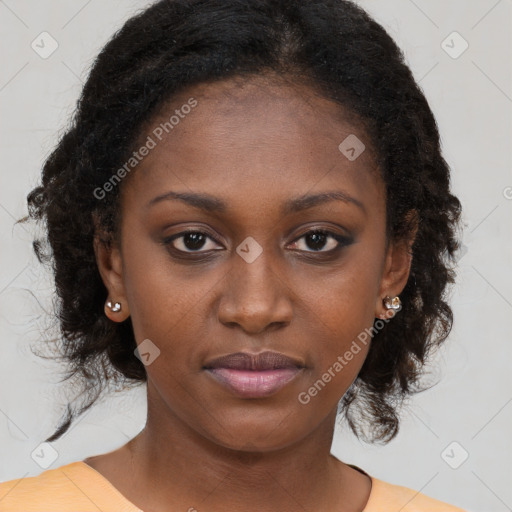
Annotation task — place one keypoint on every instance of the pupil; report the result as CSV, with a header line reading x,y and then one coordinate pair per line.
x,y
318,240
194,240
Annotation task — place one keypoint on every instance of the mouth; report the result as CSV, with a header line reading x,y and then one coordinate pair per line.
x,y
254,375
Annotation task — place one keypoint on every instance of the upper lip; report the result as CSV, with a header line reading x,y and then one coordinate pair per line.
x,y
258,362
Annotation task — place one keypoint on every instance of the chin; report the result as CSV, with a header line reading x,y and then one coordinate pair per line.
x,y
257,432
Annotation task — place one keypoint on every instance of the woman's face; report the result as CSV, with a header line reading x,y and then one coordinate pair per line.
x,y
249,163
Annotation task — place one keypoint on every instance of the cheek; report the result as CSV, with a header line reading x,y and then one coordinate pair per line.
x,y
168,303
341,316
342,319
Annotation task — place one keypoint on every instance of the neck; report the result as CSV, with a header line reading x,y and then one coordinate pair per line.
x,y
175,464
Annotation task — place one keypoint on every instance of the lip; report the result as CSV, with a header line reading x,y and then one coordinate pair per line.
x,y
254,375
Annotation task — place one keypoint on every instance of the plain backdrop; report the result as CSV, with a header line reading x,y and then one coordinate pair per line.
x,y
453,444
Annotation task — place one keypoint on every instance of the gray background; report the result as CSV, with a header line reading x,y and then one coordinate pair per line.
x,y
471,97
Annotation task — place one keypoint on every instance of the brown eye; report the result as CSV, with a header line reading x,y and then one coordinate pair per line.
x,y
318,240
192,241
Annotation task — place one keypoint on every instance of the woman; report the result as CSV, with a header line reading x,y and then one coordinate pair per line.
x,y
251,214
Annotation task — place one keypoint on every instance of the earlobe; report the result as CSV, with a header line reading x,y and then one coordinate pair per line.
x,y
394,279
110,267
396,271
115,311
392,305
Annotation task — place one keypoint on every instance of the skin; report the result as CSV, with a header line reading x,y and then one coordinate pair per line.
x,y
254,145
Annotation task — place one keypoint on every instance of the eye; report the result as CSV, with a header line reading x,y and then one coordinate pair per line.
x,y
318,240
192,241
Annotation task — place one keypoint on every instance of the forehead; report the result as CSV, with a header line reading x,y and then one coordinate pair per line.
x,y
253,136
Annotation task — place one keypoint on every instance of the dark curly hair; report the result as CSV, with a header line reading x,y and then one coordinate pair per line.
x,y
331,45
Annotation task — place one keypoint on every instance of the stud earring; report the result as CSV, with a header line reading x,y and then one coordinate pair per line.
x,y
115,308
393,303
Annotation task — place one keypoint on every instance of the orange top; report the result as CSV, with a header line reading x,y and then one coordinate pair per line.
x,y
77,487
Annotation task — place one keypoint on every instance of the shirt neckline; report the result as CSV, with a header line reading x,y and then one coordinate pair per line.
x,y
127,506
104,485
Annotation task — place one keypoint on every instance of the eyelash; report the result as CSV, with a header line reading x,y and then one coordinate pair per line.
x,y
343,241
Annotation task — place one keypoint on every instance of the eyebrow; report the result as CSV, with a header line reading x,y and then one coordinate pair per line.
x,y
200,201
309,201
210,203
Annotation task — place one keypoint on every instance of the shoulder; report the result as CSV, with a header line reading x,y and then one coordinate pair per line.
x,y
51,488
68,488
386,497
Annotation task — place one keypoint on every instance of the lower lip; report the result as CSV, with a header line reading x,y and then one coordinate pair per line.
x,y
254,384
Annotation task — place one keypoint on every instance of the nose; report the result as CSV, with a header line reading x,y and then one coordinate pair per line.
x,y
256,297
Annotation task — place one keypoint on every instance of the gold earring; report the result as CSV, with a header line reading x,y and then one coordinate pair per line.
x,y
115,308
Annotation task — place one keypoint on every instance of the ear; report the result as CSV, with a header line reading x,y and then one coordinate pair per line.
x,y
397,266
110,266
